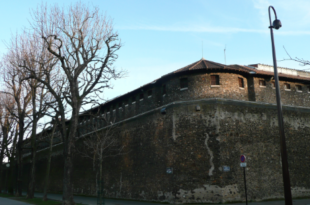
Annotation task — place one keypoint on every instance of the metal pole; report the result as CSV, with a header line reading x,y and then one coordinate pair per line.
x,y
246,196
285,172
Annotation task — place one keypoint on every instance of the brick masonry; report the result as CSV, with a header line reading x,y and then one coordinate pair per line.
x,y
197,144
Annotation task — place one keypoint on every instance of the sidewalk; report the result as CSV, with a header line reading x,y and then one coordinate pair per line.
x,y
93,201
7,201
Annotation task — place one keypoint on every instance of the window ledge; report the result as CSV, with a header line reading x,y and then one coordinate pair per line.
x,y
215,86
141,99
133,102
164,95
273,88
300,91
184,88
126,105
241,88
150,96
287,89
262,86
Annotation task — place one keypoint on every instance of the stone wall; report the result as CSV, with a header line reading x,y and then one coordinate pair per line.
x,y
291,97
197,144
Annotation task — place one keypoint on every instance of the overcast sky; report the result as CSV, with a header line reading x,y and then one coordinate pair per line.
x,y
164,35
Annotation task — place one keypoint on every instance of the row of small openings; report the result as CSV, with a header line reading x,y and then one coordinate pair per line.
x,y
215,81
287,86
133,100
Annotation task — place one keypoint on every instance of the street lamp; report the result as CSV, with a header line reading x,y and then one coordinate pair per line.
x,y
285,174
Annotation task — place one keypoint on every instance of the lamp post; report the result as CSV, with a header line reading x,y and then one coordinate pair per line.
x,y
285,174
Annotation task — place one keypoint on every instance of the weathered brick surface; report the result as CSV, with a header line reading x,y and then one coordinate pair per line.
x,y
197,144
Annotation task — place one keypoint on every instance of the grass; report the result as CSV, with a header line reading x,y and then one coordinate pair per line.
x,y
34,201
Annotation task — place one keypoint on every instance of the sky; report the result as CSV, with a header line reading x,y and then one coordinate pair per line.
x,y
161,36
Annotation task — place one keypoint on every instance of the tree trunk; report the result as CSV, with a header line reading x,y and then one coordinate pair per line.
x,y
100,187
48,165
68,153
3,145
19,166
31,184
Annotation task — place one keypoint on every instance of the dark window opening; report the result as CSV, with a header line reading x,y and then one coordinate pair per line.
x,y
262,83
183,83
149,93
141,96
126,103
215,80
298,87
133,100
119,105
164,90
308,89
241,84
287,86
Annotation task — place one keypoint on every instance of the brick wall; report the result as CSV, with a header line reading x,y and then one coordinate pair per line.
x,y
197,144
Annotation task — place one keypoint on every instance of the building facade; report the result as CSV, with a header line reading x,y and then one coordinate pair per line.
x,y
184,134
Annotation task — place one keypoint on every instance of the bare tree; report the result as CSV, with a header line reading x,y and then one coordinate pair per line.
x,y
301,61
7,128
102,144
17,89
85,45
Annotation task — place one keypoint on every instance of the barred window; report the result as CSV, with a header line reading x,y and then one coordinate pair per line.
x,y
241,84
164,89
183,83
141,96
298,88
287,86
149,93
262,83
215,80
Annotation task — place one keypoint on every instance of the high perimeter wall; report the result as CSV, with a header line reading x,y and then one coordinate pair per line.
x,y
197,144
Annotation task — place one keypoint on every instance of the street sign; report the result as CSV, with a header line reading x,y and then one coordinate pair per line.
x,y
242,158
243,164
226,168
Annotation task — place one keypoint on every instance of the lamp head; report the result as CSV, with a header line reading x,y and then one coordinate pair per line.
x,y
277,24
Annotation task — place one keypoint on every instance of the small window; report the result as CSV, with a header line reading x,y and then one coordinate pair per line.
x,y
126,103
273,85
287,86
215,80
133,100
164,89
298,88
241,84
114,108
120,105
262,83
149,93
183,83
141,97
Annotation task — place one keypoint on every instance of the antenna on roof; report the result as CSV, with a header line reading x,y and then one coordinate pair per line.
x,y
225,54
202,49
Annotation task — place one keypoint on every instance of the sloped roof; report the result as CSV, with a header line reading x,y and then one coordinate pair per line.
x,y
204,64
